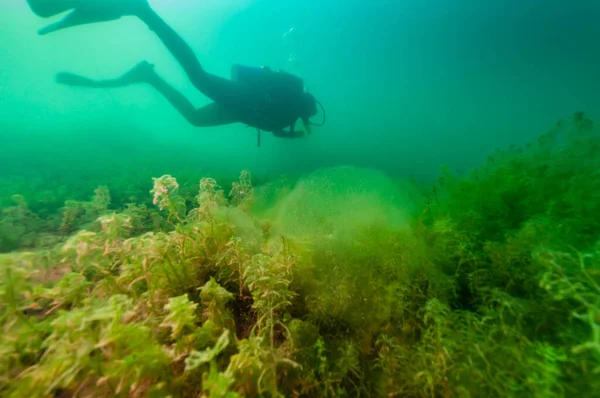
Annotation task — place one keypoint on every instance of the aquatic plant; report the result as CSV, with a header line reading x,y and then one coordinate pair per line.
x,y
343,283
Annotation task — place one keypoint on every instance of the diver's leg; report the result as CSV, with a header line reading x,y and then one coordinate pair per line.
x,y
216,88
210,115
207,116
174,43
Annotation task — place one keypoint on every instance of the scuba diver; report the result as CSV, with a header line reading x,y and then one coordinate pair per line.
x,y
258,97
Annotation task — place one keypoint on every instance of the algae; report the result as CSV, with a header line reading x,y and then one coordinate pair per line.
x,y
345,282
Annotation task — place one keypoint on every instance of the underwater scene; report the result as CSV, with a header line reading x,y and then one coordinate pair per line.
x,y
316,198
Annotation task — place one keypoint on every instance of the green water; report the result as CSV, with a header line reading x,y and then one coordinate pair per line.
x,y
437,237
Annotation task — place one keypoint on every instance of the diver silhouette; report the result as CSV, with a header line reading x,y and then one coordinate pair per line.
x,y
256,96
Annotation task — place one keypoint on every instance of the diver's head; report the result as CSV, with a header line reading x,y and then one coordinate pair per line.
x,y
309,106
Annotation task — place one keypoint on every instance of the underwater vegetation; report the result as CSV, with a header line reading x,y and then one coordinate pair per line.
x,y
343,283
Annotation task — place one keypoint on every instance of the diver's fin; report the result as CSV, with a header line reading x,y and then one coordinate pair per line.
x,y
71,79
50,8
80,16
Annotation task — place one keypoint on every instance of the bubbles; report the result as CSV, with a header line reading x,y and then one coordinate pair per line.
x,y
291,41
288,33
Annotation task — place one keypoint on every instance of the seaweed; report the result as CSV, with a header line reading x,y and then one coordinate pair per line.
x,y
345,282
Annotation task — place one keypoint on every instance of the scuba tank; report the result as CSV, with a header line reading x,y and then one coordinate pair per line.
x,y
266,78
279,83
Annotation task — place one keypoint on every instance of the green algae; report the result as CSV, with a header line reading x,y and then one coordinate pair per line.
x,y
345,282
